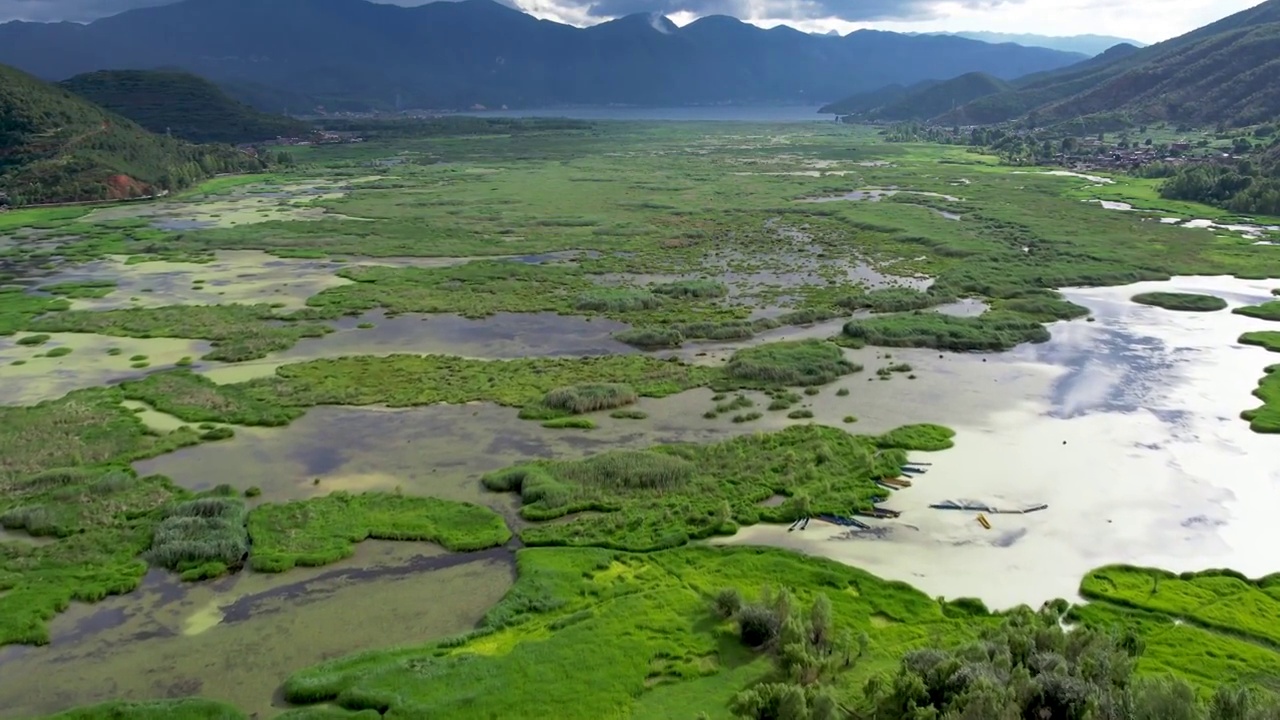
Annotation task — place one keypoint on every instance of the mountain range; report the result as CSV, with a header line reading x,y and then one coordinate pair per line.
x,y
1085,44
1228,72
449,55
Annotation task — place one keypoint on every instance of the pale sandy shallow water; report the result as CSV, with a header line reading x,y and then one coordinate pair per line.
x,y
1127,427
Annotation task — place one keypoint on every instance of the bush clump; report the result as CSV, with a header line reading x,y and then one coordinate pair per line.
x,y
1183,302
799,362
33,340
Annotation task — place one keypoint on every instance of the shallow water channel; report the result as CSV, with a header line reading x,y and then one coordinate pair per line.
x,y
235,639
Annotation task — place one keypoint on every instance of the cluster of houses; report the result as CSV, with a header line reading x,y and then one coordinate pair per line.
x,y
321,137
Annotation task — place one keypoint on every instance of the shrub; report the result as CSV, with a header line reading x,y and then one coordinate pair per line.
x,y
33,340
628,415
727,603
800,414
58,352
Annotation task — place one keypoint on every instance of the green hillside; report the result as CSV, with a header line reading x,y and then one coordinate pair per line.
x,y
56,147
1231,77
182,104
863,103
942,97
1228,71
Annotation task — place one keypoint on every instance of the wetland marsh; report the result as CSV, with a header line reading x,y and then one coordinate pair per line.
x,y
598,356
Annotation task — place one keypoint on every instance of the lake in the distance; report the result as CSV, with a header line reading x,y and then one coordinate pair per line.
x,y
775,114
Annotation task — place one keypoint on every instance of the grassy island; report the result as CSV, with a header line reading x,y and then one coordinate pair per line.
x,y
1182,302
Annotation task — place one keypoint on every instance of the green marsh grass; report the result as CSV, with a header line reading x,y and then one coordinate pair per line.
x,y
326,529
184,709
83,290
411,380
651,338
1265,311
570,423
618,300
102,522
629,415
594,633
237,332
33,340
1184,302
18,309
990,332
800,362
670,494
58,352
692,289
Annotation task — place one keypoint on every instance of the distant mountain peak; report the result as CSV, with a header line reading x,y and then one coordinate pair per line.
x,y
662,23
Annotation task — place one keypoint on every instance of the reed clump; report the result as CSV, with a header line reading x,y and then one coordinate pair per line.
x,y
651,338
692,289
590,397
616,300
201,538
800,362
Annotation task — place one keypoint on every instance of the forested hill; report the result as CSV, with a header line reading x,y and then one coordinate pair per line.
x,y
923,101
1228,72
181,104
56,147
447,55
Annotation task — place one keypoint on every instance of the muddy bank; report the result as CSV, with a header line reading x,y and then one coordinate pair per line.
x,y
1128,427
237,638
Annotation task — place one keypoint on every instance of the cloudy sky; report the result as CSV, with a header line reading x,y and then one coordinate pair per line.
x,y
1143,20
